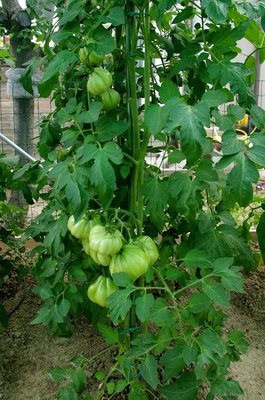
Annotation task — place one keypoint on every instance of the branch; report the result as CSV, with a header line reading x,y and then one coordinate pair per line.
x,y
12,15
3,17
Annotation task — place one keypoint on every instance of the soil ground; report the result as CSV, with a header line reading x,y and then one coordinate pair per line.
x,y
28,352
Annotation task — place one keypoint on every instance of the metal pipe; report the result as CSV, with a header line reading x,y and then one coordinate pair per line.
x,y
17,148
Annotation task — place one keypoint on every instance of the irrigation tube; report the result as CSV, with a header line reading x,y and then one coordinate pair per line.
x,y
16,147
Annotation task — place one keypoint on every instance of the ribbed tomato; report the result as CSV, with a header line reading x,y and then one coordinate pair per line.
x,y
83,55
149,246
104,241
100,290
132,260
95,58
82,228
110,99
99,81
79,229
100,259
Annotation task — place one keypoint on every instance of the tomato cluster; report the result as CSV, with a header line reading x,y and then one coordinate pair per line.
x,y
100,80
107,247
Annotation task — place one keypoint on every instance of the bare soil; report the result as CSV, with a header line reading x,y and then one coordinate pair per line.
x,y
28,352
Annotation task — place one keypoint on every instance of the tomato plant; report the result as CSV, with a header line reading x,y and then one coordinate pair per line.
x,y
169,241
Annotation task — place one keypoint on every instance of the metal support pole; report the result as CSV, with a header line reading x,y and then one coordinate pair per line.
x,y
17,148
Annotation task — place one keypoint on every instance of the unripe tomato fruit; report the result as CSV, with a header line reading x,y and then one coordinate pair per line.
x,y
79,229
132,260
100,290
149,247
82,228
110,99
100,259
95,58
86,246
99,81
104,242
83,55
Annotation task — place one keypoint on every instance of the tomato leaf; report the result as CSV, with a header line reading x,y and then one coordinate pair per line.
x,y
110,335
113,152
58,374
182,190
44,316
161,315
189,353
226,387
217,293
79,379
91,115
191,120
185,388
257,116
59,64
107,128
197,258
172,360
199,302
122,279
103,42
156,193
119,304
143,306
155,118
234,73
137,391
217,9
102,176
116,16
148,370
67,392
239,186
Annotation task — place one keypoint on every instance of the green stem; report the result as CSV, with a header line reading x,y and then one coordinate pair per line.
x,y
173,299
135,162
193,284
89,104
134,132
147,92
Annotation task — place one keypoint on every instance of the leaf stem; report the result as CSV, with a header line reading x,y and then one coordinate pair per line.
x,y
135,162
193,284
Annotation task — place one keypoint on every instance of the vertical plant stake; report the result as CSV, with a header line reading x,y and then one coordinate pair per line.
x,y
158,254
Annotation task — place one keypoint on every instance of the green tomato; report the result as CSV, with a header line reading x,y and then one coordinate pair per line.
x,y
100,290
110,99
100,259
79,229
149,247
86,246
104,242
99,81
95,58
82,228
132,260
83,55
